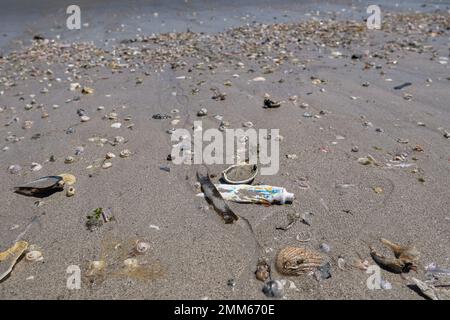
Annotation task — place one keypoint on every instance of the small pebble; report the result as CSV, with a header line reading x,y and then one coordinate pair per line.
x,y
273,289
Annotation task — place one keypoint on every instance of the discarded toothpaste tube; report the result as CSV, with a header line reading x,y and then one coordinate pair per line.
x,y
245,193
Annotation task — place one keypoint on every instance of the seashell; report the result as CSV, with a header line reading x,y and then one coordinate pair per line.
x,y
272,104
87,90
262,272
406,257
79,150
27,124
125,153
141,247
296,261
74,86
107,165
41,186
119,139
202,112
240,173
259,79
341,263
95,268
116,125
70,192
84,118
112,116
9,258
110,155
34,256
35,166
69,179
14,169
69,159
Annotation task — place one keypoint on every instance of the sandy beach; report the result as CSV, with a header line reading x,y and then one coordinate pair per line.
x,y
336,79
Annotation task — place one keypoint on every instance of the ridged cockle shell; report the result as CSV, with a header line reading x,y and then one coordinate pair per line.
x,y
296,261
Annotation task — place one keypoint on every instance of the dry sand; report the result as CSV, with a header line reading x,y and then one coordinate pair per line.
x,y
193,253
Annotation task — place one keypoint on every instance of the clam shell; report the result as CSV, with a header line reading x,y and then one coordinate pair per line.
x,y
41,185
296,261
240,173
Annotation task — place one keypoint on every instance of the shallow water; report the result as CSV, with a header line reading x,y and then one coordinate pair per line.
x,y
117,20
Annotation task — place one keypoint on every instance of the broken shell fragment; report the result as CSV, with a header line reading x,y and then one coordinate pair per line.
x,y
87,90
9,258
35,166
272,104
107,165
296,261
95,268
110,155
125,153
406,257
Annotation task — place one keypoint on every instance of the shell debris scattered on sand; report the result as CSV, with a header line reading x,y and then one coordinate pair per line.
x,y
293,261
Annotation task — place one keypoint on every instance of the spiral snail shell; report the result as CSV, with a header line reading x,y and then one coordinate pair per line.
x,y
34,256
297,260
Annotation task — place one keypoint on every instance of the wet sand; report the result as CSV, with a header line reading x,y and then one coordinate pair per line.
x,y
194,252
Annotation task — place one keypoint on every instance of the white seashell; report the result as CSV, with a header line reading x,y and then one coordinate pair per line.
x,y
84,118
34,256
141,247
259,79
35,166
110,155
119,139
107,165
116,125
125,153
